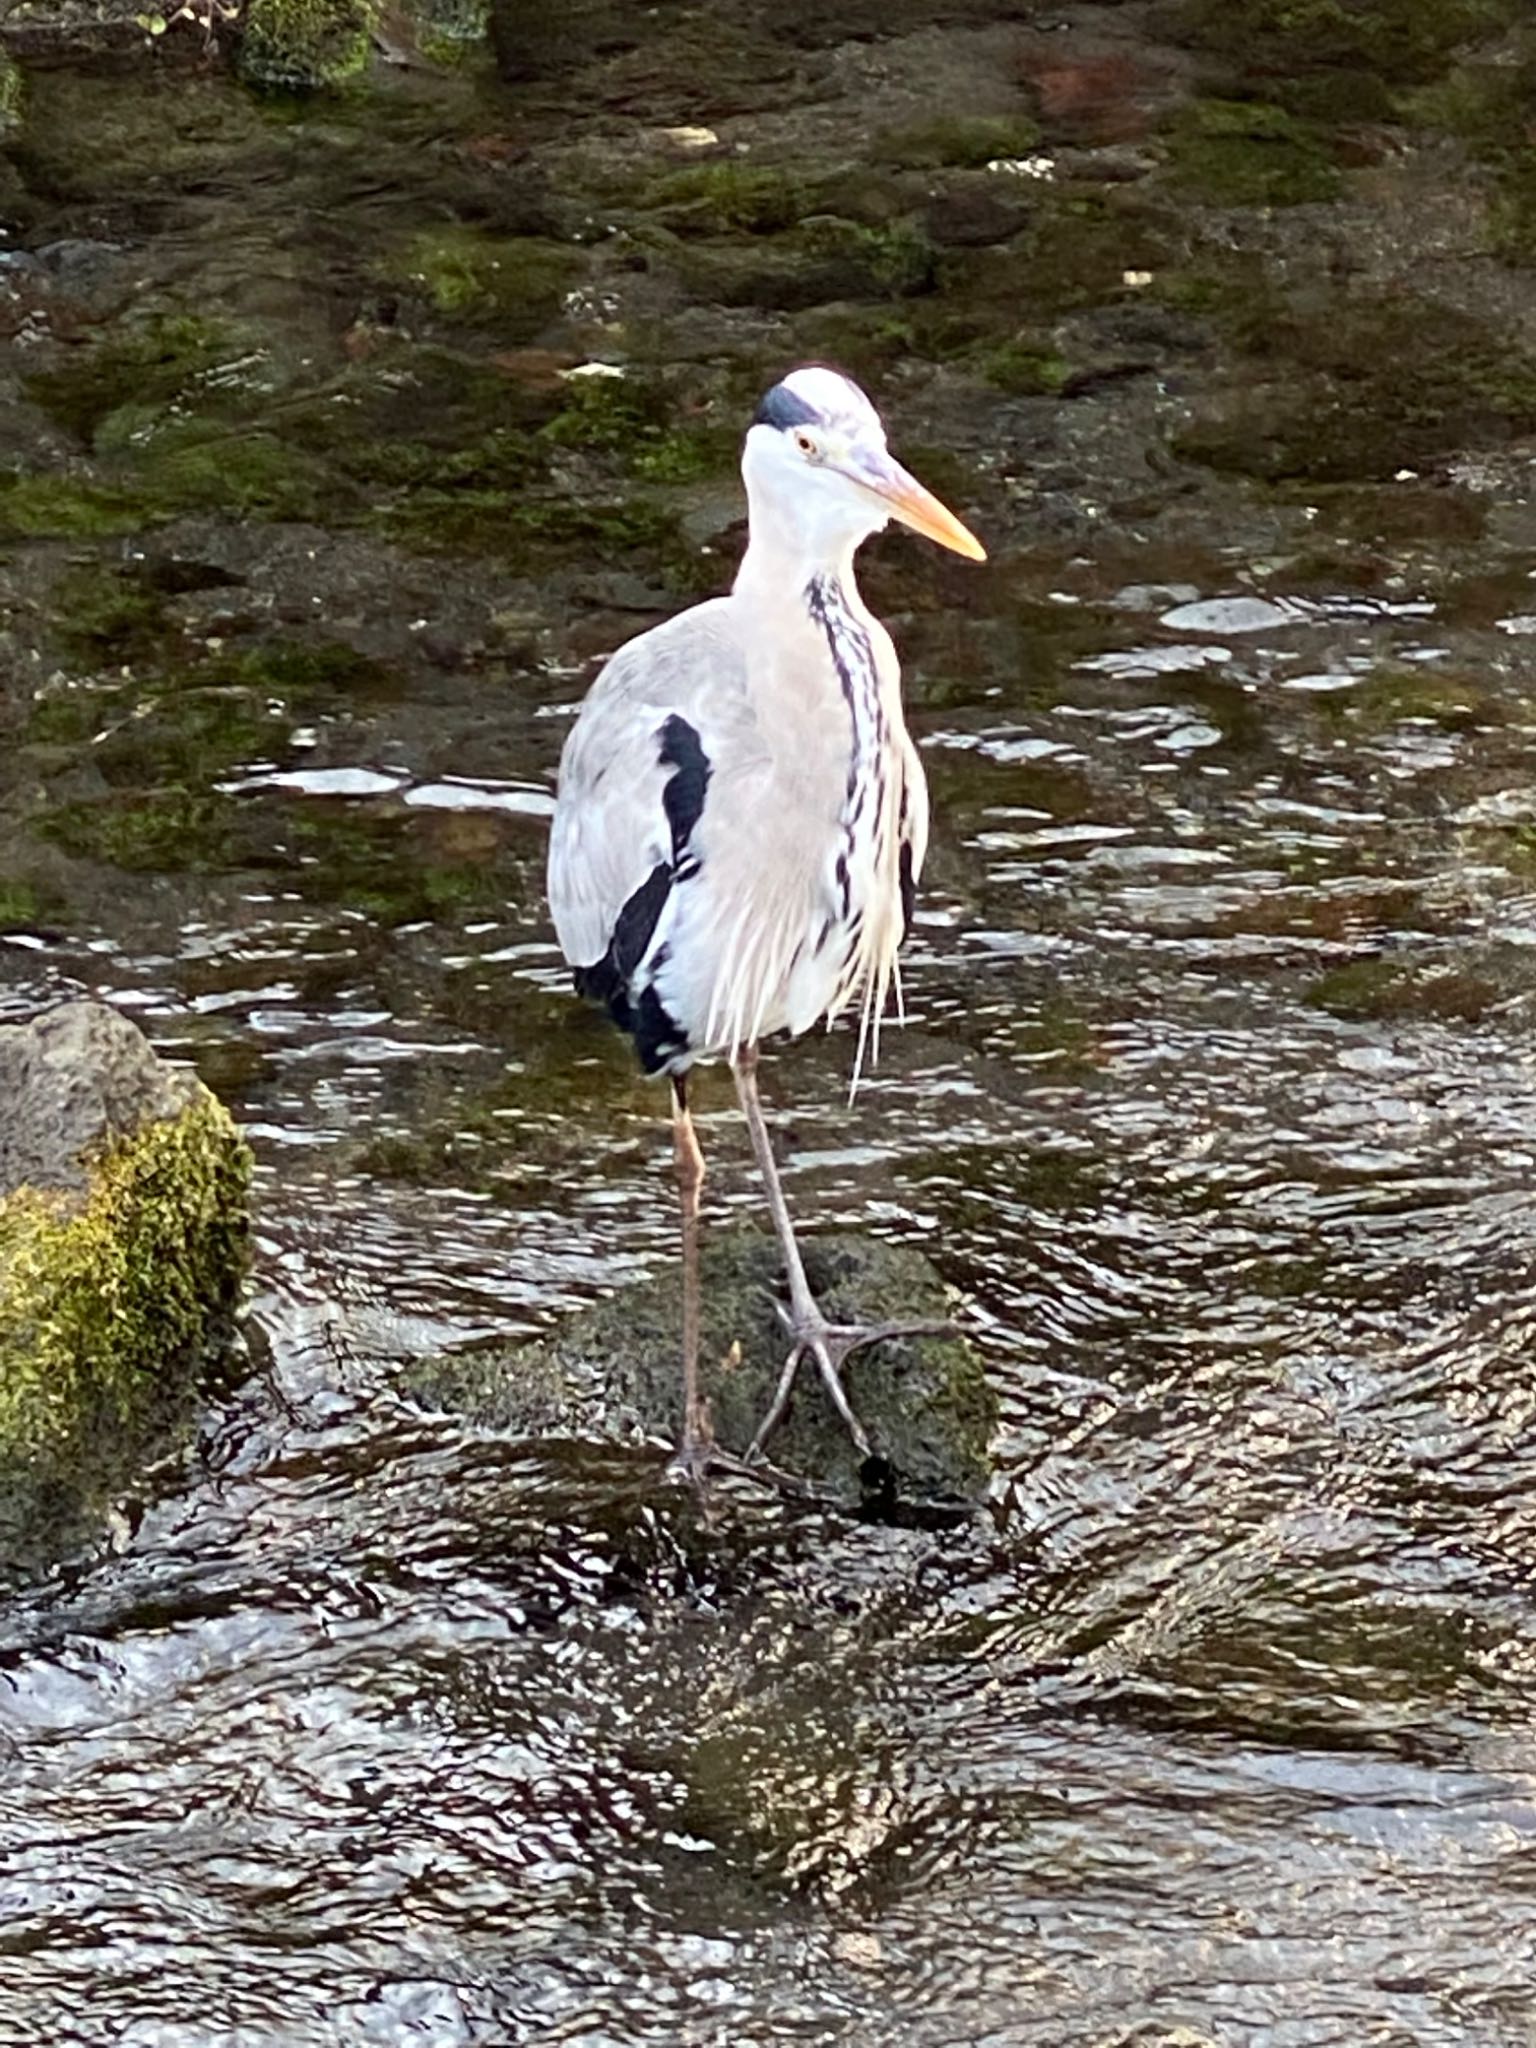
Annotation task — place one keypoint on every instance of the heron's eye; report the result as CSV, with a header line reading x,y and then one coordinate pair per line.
x,y
805,444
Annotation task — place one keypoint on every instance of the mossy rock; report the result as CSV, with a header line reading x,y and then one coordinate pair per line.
x,y
727,198
1401,41
1244,153
305,45
513,283
13,96
1354,386
1398,991
825,258
448,31
123,1249
614,1371
34,506
958,141
1491,108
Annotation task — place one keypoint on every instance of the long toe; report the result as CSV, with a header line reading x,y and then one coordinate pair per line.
x,y
843,1339
819,1343
699,1459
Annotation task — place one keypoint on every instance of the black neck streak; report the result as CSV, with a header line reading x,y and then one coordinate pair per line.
x,y
853,657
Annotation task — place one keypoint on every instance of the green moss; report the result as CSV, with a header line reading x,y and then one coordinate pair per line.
x,y
251,475
1389,696
1074,253
157,401
162,831
957,140
506,459
728,198
1491,108
512,282
925,1399
1350,388
306,675
303,45
1244,153
19,905
13,95
102,1299
1401,41
65,719
387,867
136,372
448,31
828,257
865,340
60,507
188,737
893,258
103,615
1023,367
635,421
531,530
1389,990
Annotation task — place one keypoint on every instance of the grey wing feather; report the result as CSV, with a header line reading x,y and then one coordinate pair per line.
x,y
611,829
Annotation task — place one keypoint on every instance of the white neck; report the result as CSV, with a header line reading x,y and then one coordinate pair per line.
x,y
787,547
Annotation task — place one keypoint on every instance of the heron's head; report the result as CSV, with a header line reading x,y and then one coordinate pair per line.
x,y
816,463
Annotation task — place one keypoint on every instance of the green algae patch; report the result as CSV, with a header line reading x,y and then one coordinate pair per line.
x,y
110,391
305,45
957,142
728,198
1383,990
635,421
1400,41
1244,153
13,96
514,283
1353,386
51,507
159,831
97,1295
1491,109
1024,368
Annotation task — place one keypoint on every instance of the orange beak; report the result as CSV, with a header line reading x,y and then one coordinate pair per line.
x,y
907,500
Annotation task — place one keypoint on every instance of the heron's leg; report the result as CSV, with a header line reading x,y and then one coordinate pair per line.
x,y
698,1435
828,1343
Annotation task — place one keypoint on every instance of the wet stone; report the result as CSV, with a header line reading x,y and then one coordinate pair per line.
x,y
614,1371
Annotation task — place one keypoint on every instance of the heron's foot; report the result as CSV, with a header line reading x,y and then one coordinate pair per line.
x,y
830,1345
698,1457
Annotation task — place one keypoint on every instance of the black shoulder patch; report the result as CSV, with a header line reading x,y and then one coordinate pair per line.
x,y
683,797
908,888
781,408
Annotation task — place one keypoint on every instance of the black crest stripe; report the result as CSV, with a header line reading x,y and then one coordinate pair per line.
x,y
781,408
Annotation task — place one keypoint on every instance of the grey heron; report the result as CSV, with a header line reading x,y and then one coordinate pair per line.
x,y
742,816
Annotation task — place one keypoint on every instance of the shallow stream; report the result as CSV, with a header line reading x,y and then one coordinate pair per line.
x,y
1218,1102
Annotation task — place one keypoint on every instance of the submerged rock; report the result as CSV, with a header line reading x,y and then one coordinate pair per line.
x,y
614,1371
122,1250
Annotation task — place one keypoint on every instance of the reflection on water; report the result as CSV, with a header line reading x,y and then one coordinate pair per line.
x,y
1218,1099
